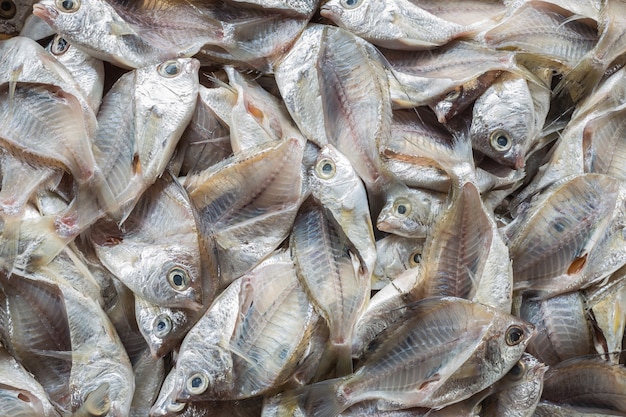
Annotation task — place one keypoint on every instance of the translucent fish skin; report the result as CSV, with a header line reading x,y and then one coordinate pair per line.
x,y
232,210
588,382
576,202
563,331
328,269
545,30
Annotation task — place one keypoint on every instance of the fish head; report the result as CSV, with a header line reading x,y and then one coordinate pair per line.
x,y
172,77
65,16
347,13
502,125
333,179
163,275
174,276
13,14
202,374
162,327
508,342
410,212
527,368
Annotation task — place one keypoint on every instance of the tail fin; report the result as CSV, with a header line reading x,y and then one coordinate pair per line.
x,y
39,243
321,399
581,80
9,242
343,354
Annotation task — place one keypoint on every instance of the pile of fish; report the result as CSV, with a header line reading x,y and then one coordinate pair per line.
x,y
312,208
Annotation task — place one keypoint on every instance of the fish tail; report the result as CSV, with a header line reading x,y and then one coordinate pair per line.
x,y
42,243
581,80
82,212
343,355
106,199
459,164
323,400
9,242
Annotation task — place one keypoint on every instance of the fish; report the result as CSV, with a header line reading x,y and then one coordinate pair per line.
x,y
410,212
386,307
21,393
505,121
342,89
335,184
546,31
394,255
553,255
119,34
251,352
332,275
163,328
205,141
398,24
430,379
149,374
143,255
420,78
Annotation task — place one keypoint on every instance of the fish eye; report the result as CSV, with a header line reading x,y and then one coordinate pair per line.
x,y
514,335
517,371
350,4
7,9
69,6
500,141
415,258
325,168
197,383
162,326
402,206
169,69
454,94
178,278
175,407
59,46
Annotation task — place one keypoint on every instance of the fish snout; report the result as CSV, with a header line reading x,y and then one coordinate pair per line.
x,y
44,12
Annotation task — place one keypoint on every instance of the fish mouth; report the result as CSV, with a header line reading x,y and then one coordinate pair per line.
x,y
328,11
192,66
44,12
